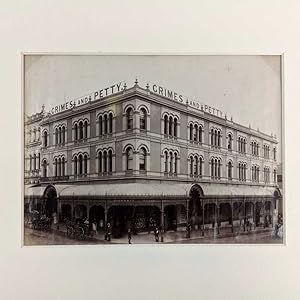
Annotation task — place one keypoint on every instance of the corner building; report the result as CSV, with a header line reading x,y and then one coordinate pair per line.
x,y
137,155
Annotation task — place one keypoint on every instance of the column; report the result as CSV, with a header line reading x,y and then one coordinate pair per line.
x,y
244,227
263,203
232,217
203,214
162,222
218,218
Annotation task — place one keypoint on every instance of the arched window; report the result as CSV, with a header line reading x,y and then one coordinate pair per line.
x,y
110,161
45,139
229,170
55,167
165,124
105,124
191,132
80,130
110,123
200,134
212,163
219,139
59,167
196,167
229,142
219,169
63,131
129,159
44,168
274,176
76,132
216,138
191,165
175,127
80,164
105,161
85,129
143,119
59,135
39,161
201,166
175,162
63,166
100,126
170,125
56,136
85,164
30,162
166,161
142,159
100,162
195,133
34,161
129,117
75,166
171,163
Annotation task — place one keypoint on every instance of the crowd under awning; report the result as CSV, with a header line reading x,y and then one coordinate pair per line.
x,y
152,189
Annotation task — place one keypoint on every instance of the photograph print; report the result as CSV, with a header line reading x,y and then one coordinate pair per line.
x,y
152,149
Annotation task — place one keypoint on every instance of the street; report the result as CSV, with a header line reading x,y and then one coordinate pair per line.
x,y
37,237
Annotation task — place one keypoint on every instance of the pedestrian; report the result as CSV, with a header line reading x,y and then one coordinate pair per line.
x,y
156,234
94,227
188,230
108,232
129,236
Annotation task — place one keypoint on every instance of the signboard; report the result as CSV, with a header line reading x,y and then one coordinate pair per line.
x,y
159,90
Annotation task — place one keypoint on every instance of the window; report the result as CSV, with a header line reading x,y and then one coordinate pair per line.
x,y
105,124
274,176
142,159
175,163
200,134
80,130
219,139
165,125
230,170
171,163
100,162
110,123
195,132
242,171
105,161
45,139
63,130
100,126
201,166
196,166
129,117
56,136
212,170
85,164
166,162
229,146
58,167
44,168
191,132
75,166
110,161
55,167
34,162
63,167
76,132
80,164
175,127
191,165
85,129
129,156
212,137
39,161
274,153
30,162
143,119
170,126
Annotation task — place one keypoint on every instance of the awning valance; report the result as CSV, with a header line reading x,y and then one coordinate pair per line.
x,y
152,189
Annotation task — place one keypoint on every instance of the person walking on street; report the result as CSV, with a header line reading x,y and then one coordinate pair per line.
x,y
156,234
129,236
108,232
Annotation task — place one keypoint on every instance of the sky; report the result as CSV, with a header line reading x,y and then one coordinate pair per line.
x,y
246,88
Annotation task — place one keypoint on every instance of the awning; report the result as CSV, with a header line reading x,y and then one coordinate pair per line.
x,y
163,189
152,189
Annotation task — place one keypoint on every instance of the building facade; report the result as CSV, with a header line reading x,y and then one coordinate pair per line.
x,y
138,155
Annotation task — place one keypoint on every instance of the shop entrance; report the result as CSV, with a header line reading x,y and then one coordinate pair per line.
x,y
50,197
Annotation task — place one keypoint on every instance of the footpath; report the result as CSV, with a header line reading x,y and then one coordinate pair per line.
x,y
170,236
